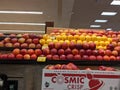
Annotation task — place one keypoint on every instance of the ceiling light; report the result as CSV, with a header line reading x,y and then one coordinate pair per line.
x,y
101,21
109,29
115,2
95,26
21,12
16,23
109,13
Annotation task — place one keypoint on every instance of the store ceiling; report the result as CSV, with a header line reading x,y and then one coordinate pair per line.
x,y
64,13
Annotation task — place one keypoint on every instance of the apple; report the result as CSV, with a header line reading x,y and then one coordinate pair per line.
x,y
82,52
89,52
38,52
68,51
85,46
85,57
61,51
16,45
113,58
57,45
26,35
8,44
19,56
64,45
33,57
115,53
95,52
77,57
92,57
51,67
99,58
46,51
70,57
35,40
7,40
38,46
29,40
88,68
31,45
53,51
16,51
58,66
23,51
26,57
21,40
108,52
4,56
72,45
14,40
118,58
92,46
51,45
30,51
11,56
101,52
78,46
24,45
1,44
55,57
75,52
101,68
106,58
62,57
49,57
72,66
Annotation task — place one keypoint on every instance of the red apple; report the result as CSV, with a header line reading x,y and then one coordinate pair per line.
x,y
61,51
51,45
113,58
92,46
31,45
30,51
11,56
82,52
78,46
23,51
35,40
62,57
108,52
29,40
99,58
38,46
95,52
110,47
68,51
118,58
77,57
88,69
72,45
19,56
16,45
101,52
26,57
92,58
38,52
85,46
115,53
26,35
46,51
65,45
4,56
57,45
70,57
85,57
16,51
24,45
21,40
7,40
33,57
14,40
106,58
55,57
88,52
1,44
75,52
49,57
53,51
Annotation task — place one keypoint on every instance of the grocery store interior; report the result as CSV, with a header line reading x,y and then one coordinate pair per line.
x,y
59,44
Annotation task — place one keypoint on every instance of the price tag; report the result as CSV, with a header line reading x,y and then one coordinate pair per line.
x,y
41,59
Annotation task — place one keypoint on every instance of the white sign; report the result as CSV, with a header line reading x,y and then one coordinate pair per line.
x,y
80,80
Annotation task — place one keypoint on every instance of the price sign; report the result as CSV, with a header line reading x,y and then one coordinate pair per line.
x,y
41,59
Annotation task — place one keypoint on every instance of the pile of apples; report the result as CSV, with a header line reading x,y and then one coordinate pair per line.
x,y
82,45
71,66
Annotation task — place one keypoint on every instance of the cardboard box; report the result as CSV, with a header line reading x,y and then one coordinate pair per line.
x,y
80,80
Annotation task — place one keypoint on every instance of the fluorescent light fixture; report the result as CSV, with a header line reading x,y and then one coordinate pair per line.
x,y
115,2
22,31
109,13
16,23
101,21
20,12
109,29
96,26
